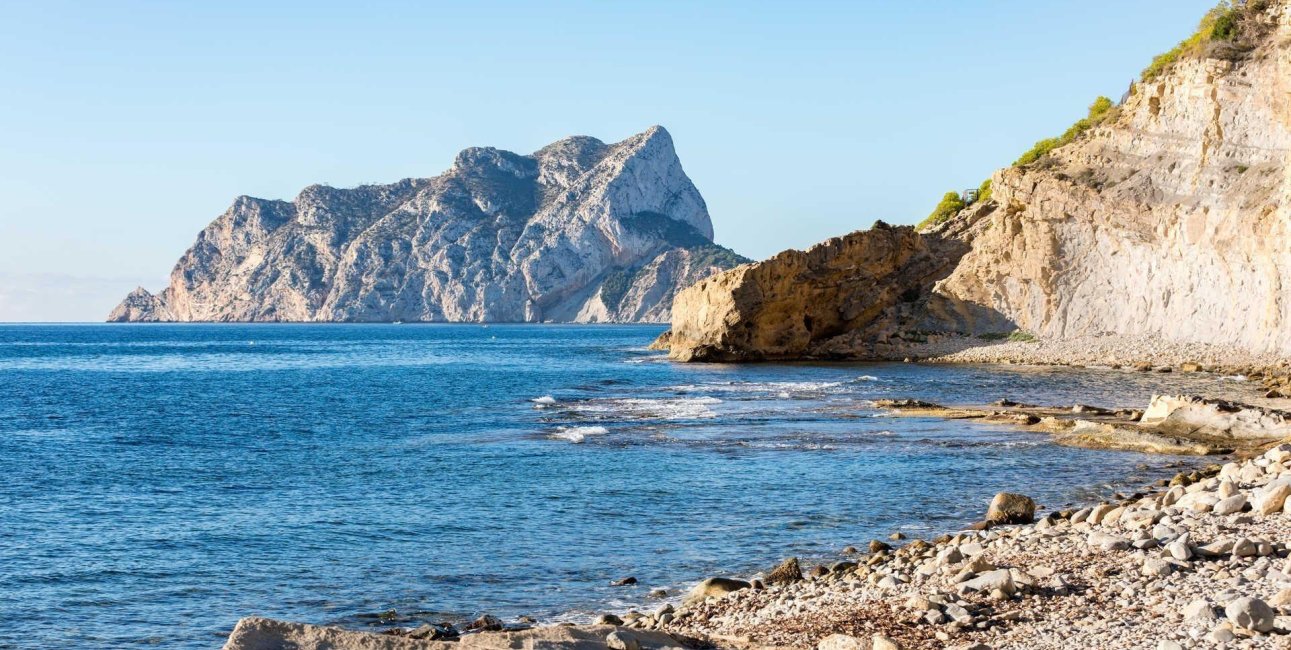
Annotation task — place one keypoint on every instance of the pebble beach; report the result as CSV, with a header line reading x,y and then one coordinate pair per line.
x,y
1199,564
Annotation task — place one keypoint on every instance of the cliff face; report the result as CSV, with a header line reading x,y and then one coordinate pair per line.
x,y
1172,220
1169,219
578,231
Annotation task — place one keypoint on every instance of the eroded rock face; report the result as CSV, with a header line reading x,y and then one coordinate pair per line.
x,y
1171,220
578,231
1217,418
798,303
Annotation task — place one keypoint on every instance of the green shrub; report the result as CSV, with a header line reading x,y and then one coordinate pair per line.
x,y
1022,337
950,205
1219,24
1100,111
711,254
984,191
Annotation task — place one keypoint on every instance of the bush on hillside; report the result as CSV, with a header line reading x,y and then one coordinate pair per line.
x,y
984,191
1099,112
950,205
1221,24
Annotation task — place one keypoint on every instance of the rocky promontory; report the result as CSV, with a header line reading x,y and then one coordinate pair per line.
x,y
579,231
1164,217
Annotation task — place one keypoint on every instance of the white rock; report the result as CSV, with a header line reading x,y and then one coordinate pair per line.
x,y
1230,505
843,642
1245,548
1156,568
881,642
1227,489
999,579
1250,613
1107,542
1273,500
1200,610
620,640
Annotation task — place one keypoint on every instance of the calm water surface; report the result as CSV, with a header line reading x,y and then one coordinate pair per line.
x,y
158,482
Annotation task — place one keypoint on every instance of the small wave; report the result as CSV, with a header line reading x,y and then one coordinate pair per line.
x,y
867,378
778,388
640,408
1233,378
543,402
976,444
790,446
577,435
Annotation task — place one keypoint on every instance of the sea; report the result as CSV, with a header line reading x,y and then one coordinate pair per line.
x,y
157,482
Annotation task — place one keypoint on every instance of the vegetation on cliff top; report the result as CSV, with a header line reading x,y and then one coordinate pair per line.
x,y
1222,25
952,203
1099,112
1226,25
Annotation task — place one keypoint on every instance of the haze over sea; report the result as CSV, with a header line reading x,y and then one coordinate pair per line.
x,y
162,481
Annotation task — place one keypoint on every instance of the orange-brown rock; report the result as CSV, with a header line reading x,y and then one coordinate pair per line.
x,y
794,304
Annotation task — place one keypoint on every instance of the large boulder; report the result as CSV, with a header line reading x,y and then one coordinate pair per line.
x,y
1250,613
715,588
795,304
788,572
1009,508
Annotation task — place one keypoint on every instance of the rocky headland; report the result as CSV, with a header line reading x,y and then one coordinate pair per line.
x,y
579,231
1163,218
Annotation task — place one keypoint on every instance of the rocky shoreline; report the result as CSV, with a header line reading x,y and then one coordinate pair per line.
x,y
1137,353
1200,561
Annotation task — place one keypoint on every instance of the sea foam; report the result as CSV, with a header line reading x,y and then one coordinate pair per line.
x,y
577,435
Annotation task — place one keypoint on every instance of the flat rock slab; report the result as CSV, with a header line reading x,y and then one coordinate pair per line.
x,y
255,633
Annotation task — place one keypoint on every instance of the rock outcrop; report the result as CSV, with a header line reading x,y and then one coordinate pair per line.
x,y
579,231
1168,219
798,303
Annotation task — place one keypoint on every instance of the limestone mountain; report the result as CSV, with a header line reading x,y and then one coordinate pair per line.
x,y
578,231
1167,216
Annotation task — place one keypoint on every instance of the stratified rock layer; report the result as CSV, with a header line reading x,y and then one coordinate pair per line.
x,y
578,231
1169,220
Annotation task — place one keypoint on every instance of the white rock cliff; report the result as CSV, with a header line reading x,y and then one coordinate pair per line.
x,y
578,231
1170,219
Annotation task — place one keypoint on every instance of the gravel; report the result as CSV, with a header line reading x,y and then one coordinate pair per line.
x,y
1166,571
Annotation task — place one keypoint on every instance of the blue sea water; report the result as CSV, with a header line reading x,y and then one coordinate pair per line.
x,y
158,482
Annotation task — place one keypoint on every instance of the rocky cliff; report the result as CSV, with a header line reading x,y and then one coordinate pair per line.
x,y
578,231
1167,218
831,300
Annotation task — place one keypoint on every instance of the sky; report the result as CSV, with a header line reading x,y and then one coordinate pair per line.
x,y
126,127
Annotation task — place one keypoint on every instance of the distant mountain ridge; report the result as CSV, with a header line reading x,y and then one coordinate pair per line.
x,y
579,231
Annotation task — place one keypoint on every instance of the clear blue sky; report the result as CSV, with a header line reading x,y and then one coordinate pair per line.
x,y
128,126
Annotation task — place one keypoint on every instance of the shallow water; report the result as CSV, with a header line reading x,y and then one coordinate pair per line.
x,y
161,481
